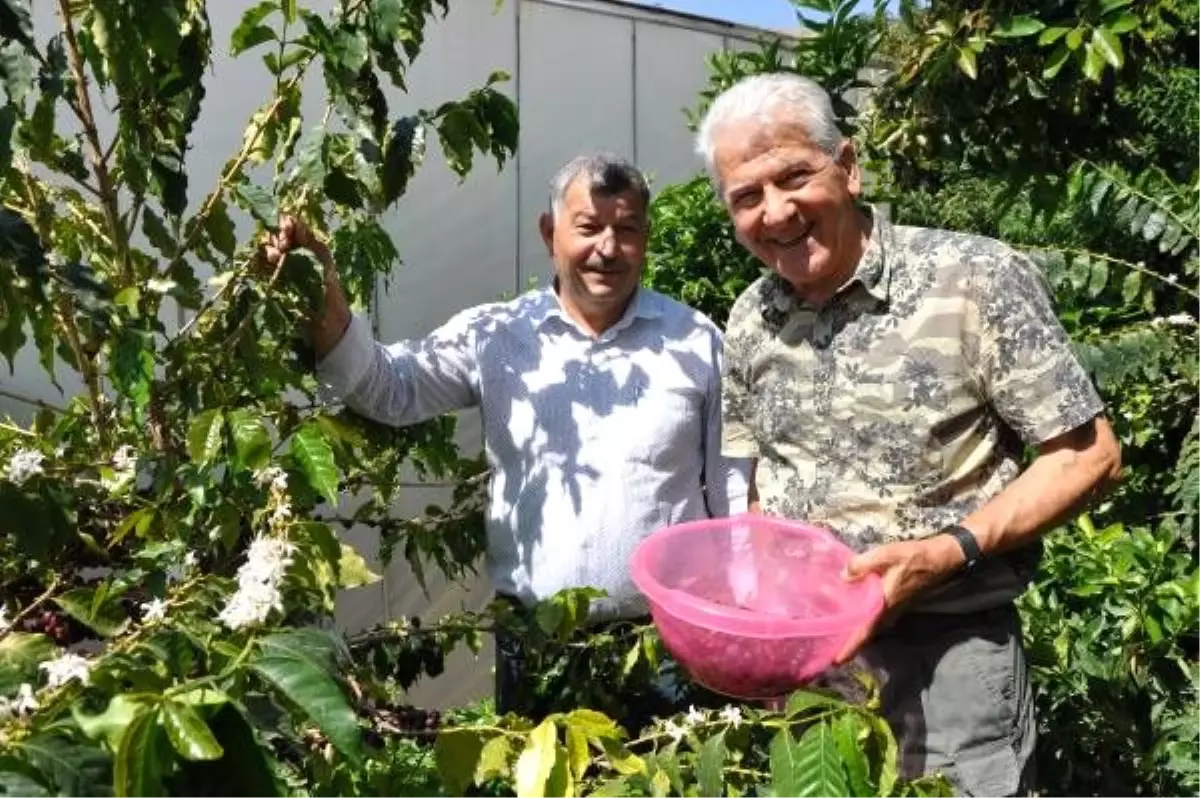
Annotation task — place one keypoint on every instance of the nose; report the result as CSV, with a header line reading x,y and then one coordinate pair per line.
x,y
607,245
778,208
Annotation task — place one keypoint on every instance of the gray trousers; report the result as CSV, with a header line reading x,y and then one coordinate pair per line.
x,y
956,692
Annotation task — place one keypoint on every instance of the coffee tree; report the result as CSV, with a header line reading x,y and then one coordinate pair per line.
x,y
170,552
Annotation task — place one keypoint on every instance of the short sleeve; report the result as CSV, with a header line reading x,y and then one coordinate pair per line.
x,y
1027,366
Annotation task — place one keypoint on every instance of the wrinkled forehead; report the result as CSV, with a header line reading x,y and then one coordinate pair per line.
x,y
762,144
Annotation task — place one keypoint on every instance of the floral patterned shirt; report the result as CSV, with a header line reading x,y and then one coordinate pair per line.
x,y
906,401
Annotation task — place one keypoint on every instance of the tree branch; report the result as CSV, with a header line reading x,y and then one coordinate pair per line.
x,y
83,110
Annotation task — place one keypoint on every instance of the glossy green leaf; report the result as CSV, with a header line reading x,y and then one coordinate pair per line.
x,y
457,754
537,760
251,441
1019,26
1108,44
304,679
189,733
106,619
711,764
20,653
315,458
205,436
143,758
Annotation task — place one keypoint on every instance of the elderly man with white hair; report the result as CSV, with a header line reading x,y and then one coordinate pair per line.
x,y
886,381
600,402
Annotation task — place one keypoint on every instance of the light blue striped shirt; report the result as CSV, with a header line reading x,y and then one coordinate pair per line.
x,y
593,443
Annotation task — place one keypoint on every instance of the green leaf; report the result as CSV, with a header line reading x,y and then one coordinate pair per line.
x,y
1093,62
577,751
251,441
157,234
596,725
711,764
966,62
142,759
802,701
305,681
819,764
15,23
1018,26
1051,35
399,158
243,770
20,653
250,31
849,734
353,569
786,776
1107,6
205,436
1131,287
1056,61
1074,38
220,230
8,122
289,10
315,458
537,760
1098,278
493,760
889,754
107,619
457,753
1124,23
1156,222
1109,45
189,733
257,201
69,766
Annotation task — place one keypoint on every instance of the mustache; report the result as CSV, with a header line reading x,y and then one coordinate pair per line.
x,y
600,264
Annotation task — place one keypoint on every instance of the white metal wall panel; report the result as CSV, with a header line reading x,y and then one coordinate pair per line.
x,y
671,71
576,97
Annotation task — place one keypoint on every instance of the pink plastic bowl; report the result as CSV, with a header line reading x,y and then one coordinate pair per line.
x,y
752,606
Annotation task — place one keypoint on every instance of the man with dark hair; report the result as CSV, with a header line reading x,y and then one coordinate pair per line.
x,y
600,401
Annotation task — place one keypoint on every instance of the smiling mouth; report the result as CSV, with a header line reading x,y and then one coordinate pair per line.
x,y
789,243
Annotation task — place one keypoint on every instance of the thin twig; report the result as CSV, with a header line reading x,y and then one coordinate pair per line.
x,y
83,110
34,402
25,613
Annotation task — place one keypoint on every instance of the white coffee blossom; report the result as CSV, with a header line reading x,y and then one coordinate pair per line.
x,y
674,730
177,571
280,514
1181,320
154,610
274,476
25,701
5,621
64,669
732,715
125,458
23,465
693,716
259,580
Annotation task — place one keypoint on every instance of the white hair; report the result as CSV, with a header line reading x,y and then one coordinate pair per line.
x,y
774,98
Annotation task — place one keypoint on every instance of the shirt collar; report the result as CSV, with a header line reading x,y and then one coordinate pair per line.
x,y
645,304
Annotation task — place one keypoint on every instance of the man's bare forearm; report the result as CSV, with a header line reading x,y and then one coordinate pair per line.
x,y
330,324
1062,481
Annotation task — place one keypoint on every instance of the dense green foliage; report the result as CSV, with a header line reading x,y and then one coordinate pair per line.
x,y
1067,129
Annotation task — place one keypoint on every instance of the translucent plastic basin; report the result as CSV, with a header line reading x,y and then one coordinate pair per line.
x,y
752,606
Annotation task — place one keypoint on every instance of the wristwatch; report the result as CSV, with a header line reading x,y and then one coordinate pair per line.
x,y
968,543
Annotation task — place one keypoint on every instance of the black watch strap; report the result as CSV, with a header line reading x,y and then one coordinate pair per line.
x,y
968,543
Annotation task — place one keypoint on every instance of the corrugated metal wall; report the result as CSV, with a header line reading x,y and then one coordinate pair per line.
x,y
587,75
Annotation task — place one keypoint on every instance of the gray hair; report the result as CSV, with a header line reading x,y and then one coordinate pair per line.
x,y
780,97
607,174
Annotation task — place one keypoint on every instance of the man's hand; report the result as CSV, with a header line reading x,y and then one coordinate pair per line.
x,y
905,570
328,327
294,234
